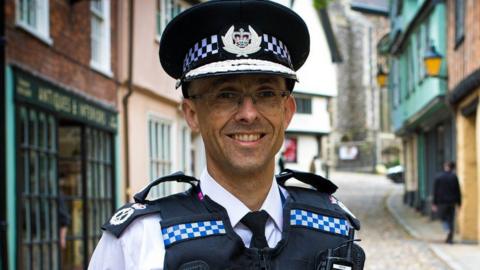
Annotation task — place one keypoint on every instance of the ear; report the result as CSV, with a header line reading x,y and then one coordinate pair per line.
x,y
290,109
190,114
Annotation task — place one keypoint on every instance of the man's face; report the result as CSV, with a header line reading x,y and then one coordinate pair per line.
x,y
240,137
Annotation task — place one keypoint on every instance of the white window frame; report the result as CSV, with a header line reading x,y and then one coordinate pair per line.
x,y
185,149
104,64
164,160
41,30
166,17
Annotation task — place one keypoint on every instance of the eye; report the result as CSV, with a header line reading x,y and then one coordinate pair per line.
x,y
225,95
266,93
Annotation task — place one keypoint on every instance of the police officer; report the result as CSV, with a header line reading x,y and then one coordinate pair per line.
x,y
236,62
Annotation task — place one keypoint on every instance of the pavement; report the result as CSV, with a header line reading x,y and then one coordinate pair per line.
x,y
458,256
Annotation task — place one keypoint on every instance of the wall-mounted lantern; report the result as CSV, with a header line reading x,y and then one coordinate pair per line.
x,y
432,62
382,77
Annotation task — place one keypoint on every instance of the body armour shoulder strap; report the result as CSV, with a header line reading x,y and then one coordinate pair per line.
x,y
124,216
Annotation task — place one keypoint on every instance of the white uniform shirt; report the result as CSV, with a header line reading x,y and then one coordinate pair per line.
x,y
141,244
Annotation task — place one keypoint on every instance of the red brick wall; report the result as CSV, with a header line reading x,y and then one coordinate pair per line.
x,y
464,59
67,60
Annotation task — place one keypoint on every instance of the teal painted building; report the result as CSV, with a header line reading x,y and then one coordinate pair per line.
x,y
420,114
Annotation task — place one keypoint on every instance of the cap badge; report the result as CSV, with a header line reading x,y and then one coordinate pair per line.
x,y
240,42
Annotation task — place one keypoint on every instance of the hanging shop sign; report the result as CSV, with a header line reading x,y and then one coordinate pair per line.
x,y
33,90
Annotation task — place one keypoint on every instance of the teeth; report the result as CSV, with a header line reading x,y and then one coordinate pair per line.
x,y
246,137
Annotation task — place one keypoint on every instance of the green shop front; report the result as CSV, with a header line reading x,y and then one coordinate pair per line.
x,y
61,173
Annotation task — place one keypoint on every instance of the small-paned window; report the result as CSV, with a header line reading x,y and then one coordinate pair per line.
x,y
33,16
166,11
398,7
420,52
66,187
160,155
100,36
459,21
411,68
395,84
100,183
304,105
38,203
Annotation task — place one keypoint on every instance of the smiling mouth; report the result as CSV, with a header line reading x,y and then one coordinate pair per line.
x,y
247,137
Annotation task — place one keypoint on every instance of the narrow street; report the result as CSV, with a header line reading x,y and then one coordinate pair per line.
x,y
386,243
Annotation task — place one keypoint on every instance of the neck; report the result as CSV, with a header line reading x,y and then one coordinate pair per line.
x,y
250,188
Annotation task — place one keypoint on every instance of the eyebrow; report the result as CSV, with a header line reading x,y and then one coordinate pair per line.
x,y
226,79
263,80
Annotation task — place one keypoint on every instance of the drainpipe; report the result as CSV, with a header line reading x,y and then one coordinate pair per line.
x,y
127,96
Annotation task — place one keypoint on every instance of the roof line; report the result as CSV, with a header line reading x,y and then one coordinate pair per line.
x,y
332,42
370,9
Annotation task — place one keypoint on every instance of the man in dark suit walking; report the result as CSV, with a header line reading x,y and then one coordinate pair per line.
x,y
446,195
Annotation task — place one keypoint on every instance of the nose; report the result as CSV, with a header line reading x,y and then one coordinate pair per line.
x,y
247,112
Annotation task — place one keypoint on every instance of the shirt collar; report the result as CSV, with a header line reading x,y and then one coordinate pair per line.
x,y
236,210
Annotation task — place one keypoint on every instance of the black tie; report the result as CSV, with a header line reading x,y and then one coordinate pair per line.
x,y
256,221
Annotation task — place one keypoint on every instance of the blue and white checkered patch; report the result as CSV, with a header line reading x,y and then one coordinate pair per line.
x,y
193,230
277,47
308,219
207,46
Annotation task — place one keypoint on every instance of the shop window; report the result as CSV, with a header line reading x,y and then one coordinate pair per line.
x,y
304,105
459,21
65,190
166,11
99,184
160,143
33,16
100,36
38,191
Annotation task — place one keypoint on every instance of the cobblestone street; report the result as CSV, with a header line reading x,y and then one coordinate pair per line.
x,y
386,243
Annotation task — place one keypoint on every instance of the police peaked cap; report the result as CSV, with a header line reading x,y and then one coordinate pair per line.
x,y
222,37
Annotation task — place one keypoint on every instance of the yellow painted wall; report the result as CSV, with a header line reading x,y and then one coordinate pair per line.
x,y
468,177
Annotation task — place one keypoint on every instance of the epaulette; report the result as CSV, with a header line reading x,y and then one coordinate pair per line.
x,y
318,182
321,184
124,216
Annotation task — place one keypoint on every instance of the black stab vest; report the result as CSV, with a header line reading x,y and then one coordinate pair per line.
x,y
303,246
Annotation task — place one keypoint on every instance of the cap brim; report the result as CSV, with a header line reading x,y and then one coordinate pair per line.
x,y
240,66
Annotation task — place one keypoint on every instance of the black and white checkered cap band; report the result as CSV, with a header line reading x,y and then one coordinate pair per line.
x,y
277,47
207,46
210,46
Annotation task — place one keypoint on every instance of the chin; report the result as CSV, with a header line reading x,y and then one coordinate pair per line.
x,y
248,166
